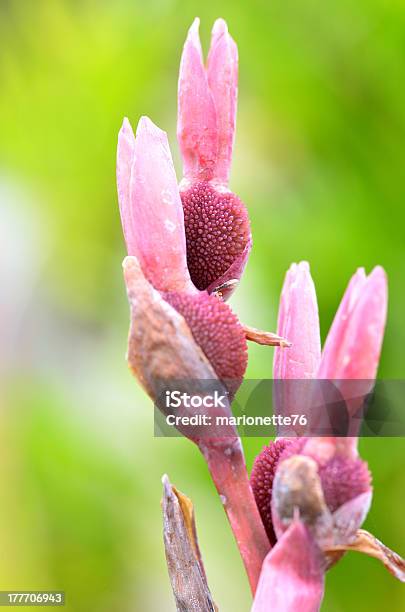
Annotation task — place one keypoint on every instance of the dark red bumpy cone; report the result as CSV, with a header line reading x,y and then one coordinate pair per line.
x,y
217,331
261,481
217,232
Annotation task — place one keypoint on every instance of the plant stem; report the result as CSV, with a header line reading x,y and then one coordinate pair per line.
x,y
226,464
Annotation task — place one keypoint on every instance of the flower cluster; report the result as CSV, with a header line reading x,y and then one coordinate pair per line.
x,y
313,493
191,242
187,246
351,351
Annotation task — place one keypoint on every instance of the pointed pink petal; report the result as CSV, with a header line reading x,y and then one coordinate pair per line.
x,y
336,331
298,322
157,224
353,346
125,156
223,81
196,121
292,576
350,517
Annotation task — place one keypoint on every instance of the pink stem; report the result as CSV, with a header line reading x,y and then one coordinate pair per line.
x,y
226,464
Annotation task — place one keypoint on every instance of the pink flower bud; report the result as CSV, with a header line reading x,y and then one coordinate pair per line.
x,y
197,131
216,221
319,483
150,205
152,219
298,321
207,105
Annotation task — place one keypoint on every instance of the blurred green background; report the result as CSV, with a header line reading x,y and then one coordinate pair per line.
x,y
319,160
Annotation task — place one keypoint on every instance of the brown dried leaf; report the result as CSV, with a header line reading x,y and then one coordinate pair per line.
x,y
366,543
263,337
183,555
297,489
160,343
187,509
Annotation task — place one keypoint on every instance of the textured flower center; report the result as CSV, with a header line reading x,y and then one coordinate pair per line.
x,y
217,231
217,331
261,480
342,478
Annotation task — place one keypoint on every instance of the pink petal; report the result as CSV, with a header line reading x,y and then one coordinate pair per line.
x,y
298,322
292,576
350,517
154,221
337,329
222,72
125,156
196,122
353,346
352,349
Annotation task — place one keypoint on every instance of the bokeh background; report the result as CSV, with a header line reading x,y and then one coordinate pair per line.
x,y
319,160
